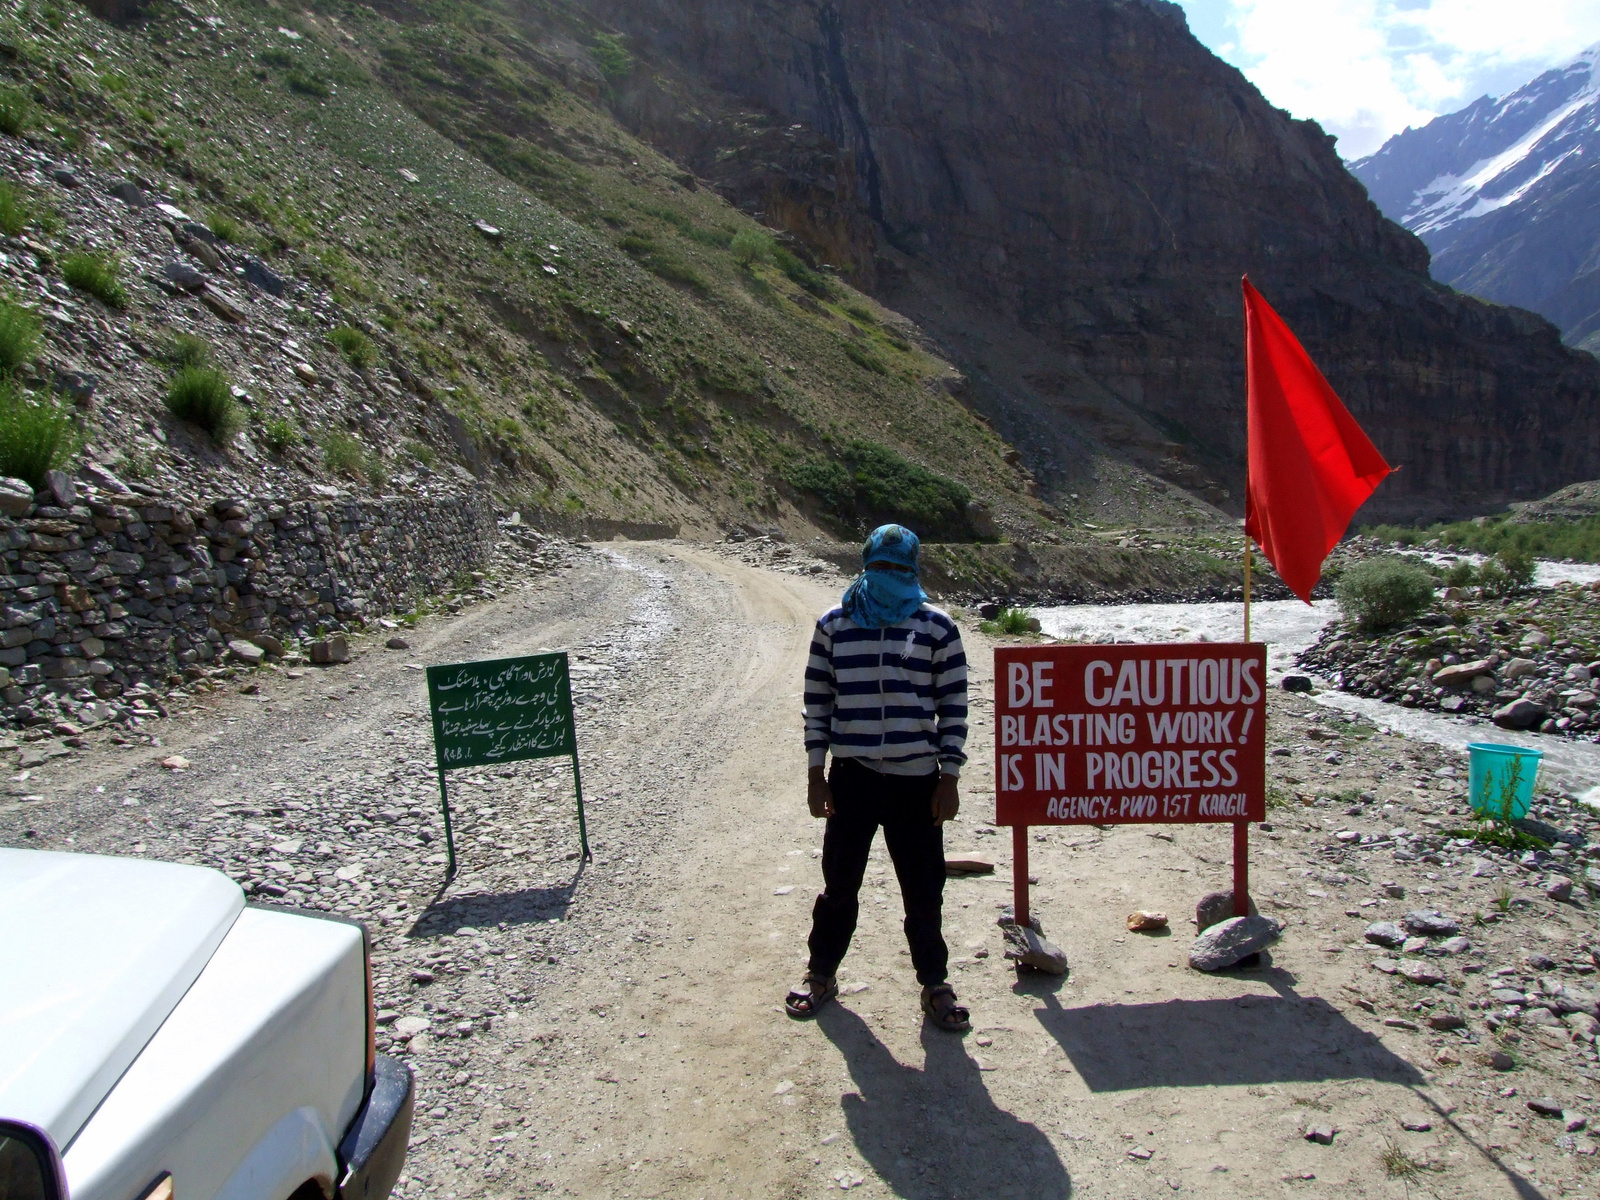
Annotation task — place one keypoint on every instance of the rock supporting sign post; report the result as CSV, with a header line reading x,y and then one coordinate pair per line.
x,y
1111,735
499,711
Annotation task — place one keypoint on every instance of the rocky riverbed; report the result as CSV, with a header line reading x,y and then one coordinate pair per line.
x,y
1526,662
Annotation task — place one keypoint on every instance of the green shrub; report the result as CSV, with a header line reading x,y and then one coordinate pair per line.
x,y
276,56
751,246
356,346
186,350
308,83
422,453
1493,580
611,56
14,210
36,435
280,434
1558,537
1012,622
342,454
19,336
1461,574
872,484
203,397
16,111
225,227
96,275
1518,565
797,271
1382,592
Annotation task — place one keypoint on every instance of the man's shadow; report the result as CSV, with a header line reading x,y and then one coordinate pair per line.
x,y
935,1133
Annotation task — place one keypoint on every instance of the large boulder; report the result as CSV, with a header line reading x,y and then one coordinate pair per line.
x,y
1227,943
1520,714
1429,924
1462,676
1216,907
16,497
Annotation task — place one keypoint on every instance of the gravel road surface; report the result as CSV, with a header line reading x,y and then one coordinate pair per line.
x,y
615,1029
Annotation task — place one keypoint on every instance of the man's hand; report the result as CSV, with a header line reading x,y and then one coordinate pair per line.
x,y
946,799
818,794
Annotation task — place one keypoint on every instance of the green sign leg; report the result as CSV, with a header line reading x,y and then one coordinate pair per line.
x,y
449,838
583,828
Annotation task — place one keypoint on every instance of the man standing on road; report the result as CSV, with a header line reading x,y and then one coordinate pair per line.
x,y
886,692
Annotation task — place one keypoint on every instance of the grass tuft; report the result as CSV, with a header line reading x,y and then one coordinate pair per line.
x,y
95,275
14,210
201,396
19,336
342,454
280,434
187,350
1012,622
356,346
225,227
36,435
16,111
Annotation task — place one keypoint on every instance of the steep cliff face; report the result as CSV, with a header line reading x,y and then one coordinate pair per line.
x,y
1066,195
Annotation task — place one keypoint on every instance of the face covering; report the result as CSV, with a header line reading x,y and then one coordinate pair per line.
x,y
881,597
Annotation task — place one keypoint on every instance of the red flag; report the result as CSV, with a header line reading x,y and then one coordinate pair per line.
x,y
1311,466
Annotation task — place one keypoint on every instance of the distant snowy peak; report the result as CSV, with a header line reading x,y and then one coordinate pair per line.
x,y
1492,154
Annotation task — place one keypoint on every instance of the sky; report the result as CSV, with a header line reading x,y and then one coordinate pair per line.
x,y
1367,69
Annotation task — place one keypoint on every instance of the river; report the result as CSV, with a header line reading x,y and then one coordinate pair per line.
x,y
1288,627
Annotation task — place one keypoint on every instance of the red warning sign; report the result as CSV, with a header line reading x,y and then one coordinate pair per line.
x,y
1106,735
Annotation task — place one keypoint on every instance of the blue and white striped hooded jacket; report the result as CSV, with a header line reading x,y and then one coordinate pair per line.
x,y
893,698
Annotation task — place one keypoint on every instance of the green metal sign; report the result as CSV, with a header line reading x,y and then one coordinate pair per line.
x,y
499,711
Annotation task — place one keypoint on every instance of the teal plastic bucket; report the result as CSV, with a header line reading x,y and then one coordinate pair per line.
x,y
1500,780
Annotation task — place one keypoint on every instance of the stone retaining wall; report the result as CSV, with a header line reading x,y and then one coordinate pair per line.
x,y
106,594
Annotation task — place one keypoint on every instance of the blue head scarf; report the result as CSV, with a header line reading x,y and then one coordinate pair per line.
x,y
880,597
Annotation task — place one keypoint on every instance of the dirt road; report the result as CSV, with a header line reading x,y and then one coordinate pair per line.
x,y
616,1030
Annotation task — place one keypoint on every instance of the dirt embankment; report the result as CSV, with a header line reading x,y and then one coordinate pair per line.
x,y
615,1030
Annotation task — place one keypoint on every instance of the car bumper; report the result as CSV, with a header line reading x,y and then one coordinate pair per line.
x,y
374,1148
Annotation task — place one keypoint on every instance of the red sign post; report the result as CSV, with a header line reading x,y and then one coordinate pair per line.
x,y
1109,735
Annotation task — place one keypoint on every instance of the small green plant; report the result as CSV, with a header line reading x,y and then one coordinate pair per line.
x,y
1382,592
19,336
611,55
14,210
225,227
341,453
186,350
1493,580
36,435
280,434
203,397
751,247
308,83
1397,1164
16,111
1010,622
422,453
1278,797
95,275
1503,895
1518,565
356,346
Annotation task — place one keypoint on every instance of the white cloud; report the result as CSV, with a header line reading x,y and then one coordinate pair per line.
x,y
1366,69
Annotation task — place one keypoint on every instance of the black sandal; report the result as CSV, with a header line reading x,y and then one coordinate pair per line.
x,y
939,1002
803,1005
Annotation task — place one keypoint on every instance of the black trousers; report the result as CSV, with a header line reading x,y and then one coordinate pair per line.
x,y
864,799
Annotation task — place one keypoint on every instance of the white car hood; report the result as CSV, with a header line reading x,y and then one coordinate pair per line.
x,y
94,953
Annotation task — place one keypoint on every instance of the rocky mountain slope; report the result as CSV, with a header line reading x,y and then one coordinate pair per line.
x,y
1066,196
1506,193
403,297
